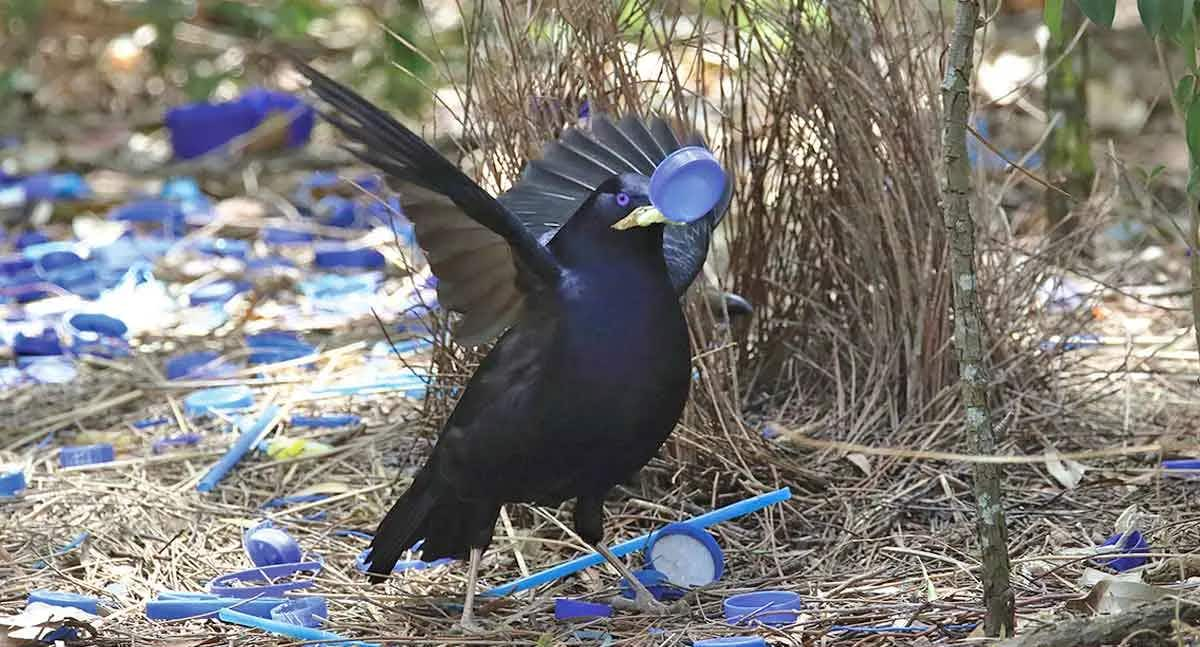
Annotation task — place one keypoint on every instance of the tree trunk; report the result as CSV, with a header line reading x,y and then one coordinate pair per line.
x,y
968,328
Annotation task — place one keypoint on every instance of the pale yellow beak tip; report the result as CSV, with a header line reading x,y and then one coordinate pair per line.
x,y
640,217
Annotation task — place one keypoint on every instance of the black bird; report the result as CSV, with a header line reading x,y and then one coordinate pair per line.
x,y
593,367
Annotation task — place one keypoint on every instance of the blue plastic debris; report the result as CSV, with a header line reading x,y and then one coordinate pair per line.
x,y
65,599
655,582
44,343
167,213
72,456
276,346
766,607
181,440
12,480
276,580
267,545
94,333
686,555
284,501
1184,467
340,256
568,609
200,365
1130,554
225,398
340,420
252,429
198,128
180,606
363,564
51,370
147,423
687,184
731,641
217,291
227,247
30,238
295,632
310,611
284,236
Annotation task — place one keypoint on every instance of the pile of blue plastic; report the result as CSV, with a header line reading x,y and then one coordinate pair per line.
x,y
91,283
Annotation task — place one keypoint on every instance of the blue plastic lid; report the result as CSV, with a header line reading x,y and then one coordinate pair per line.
x,y
65,599
224,585
306,612
687,184
774,608
85,455
687,555
222,398
267,545
731,641
337,255
12,480
568,609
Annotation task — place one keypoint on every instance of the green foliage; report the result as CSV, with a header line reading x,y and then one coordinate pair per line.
x,y
1100,12
1052,14
1162,17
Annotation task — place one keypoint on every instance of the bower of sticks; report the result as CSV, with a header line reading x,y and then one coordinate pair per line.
x,y
842,386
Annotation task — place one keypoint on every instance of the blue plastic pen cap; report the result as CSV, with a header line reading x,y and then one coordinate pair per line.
x,y
687,184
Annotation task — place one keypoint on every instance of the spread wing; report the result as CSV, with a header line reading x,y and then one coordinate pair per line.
x,y
486,261
553,187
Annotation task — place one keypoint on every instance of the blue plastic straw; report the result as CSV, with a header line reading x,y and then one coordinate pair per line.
x,y
289,630
245,443
731,511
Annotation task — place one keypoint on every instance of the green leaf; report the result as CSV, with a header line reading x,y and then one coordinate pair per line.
x,y
1151,12
1100,12
1192,126
1184,91
1052,15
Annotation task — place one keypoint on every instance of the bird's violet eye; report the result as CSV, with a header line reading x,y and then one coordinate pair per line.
x,y
623,199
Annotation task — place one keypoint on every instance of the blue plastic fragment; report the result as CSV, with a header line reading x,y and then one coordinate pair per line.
x,y
296,632
655,582
65,599
284,501
181,189
1131,545
55,186
310,611
30,238
171,606
15,265
100,324
146,423
72,456
1183,466
276,346
731,641
337,255
282,236
198,128
339,420
205,364
180,440
363,564
45,343
225,398
252,429
217,291
275,578
12,480
228,247
51,370
568,609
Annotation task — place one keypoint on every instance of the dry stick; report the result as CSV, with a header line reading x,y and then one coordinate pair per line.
x,y
1153,617
798,438
968,329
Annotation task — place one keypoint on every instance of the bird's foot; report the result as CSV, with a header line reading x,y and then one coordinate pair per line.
x,y
468,626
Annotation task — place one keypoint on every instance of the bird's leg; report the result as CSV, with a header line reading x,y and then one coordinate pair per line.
x,y
643,599
468,615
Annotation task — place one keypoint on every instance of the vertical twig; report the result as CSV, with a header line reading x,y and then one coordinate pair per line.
x,y
968,329
1068,151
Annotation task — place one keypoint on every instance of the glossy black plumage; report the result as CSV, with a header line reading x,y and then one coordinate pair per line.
x,y
590,377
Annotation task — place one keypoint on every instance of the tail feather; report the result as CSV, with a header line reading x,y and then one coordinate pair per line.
x,y
401,527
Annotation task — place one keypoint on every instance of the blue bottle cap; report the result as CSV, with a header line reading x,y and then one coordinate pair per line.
x,y
225,398
687,555
99,324
687,184
568,609
306,612
774,608
51,370
65,599
731,641
12,480
267,545
337,255
85,455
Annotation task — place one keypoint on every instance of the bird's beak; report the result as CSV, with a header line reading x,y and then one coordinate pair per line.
x,y
641,217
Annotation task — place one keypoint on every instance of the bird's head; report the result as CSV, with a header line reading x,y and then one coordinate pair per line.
x,y
624,202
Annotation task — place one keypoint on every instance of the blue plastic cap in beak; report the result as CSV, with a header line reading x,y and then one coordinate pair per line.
x,y
687,184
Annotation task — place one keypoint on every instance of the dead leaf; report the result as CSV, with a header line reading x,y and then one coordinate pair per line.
x,y
1067,472
861,462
